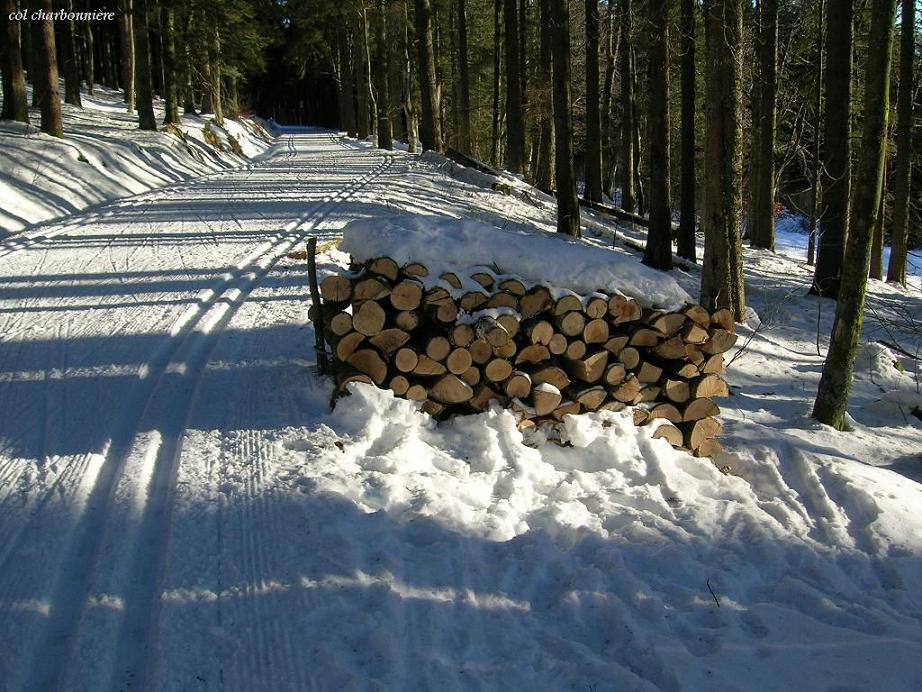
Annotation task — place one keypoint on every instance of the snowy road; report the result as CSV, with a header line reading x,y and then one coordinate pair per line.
x,y
179,510
108,322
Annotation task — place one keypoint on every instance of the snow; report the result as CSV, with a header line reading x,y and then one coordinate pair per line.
x,y
607,551
181,509
105,157
468,175
792,235
445,244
